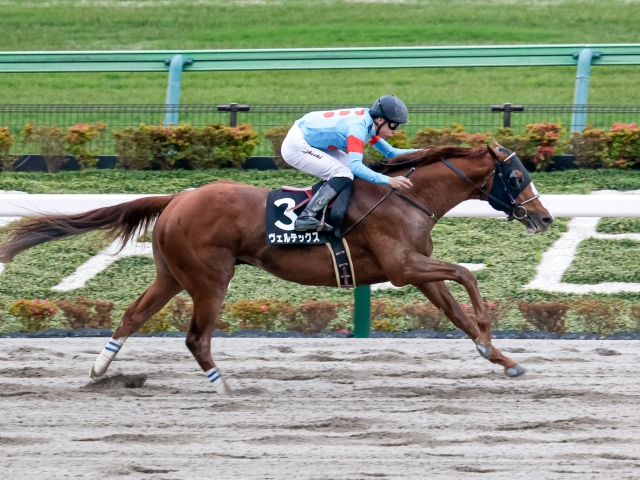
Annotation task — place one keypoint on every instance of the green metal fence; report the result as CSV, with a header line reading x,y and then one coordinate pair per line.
x,y
319,58
175,62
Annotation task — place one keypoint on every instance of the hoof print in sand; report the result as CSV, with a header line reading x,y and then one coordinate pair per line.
x,y
117,381
605,352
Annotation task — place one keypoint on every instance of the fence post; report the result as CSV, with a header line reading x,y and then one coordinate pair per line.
x,y
581,96
362,312
176,63
507,108
233,109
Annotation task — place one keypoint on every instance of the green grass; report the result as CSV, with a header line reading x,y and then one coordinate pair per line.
x,y
619,225
32,275
123,181
511,255
615,261
133,275
218,24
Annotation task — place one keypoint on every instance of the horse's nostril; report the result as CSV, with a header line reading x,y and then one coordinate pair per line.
x,y
547,220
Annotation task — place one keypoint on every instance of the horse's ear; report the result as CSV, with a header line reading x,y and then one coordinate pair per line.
x,y
492,153
497,145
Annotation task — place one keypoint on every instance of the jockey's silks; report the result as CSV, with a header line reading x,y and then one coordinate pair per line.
x,y
348,130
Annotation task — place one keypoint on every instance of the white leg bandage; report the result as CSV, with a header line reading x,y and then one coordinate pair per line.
x,y
215,378
106,356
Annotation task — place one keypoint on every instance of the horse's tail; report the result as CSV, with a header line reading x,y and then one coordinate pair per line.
x,y
122,220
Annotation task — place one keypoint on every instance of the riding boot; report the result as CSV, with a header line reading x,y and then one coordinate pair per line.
x,y
307,219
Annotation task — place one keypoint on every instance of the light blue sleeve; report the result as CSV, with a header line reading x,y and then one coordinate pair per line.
x,y
356,135
388,151
360,170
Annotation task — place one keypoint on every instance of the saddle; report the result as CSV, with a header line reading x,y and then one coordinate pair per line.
x,y
282,209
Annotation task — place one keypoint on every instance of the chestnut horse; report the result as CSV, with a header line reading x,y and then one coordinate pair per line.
x,y
201,235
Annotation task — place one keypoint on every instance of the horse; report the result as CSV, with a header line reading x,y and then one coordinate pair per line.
x,y
199,236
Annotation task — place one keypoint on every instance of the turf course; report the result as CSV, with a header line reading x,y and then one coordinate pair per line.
x,y
218,24
511,255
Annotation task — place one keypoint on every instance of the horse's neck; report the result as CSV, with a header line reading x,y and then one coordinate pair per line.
x,y
442,189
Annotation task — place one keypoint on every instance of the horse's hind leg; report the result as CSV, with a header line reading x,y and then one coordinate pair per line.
x,y
163,289
206,311
440,296
207,282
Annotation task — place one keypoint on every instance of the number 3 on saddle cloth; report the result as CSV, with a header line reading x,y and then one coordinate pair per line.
x,y
283,207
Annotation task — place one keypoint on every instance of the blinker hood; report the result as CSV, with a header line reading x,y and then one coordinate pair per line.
x,y
506,185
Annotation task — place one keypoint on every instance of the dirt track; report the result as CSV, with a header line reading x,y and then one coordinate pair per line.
x,y
321,409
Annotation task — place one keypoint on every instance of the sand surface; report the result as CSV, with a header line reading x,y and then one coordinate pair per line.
x,y
320,409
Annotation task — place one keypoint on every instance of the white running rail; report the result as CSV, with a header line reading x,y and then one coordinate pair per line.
x,y
602,205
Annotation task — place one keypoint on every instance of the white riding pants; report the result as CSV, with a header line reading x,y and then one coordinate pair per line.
x,y
323,163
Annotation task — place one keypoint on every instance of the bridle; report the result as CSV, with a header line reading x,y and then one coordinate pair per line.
x,y
512,208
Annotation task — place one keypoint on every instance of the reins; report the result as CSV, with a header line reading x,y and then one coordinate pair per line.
x,y
401,195
411,202
514,206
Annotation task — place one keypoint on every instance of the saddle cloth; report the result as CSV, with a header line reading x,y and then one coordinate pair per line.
x,y
283,207
285,204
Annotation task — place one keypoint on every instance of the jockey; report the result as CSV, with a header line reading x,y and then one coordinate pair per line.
x,y
316,143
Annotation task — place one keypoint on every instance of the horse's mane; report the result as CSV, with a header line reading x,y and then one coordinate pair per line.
x,y
426,157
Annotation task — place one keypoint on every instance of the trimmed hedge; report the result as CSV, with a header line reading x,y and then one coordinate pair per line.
x,y
618,147
160,147
145,147
213,146
598,316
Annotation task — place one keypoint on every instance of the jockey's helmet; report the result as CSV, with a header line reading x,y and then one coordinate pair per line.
x,y
391,108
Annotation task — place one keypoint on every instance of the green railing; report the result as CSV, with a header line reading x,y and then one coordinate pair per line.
x,y
175,62
319,58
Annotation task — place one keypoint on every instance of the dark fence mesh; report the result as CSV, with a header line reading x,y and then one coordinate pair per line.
x,y
476,118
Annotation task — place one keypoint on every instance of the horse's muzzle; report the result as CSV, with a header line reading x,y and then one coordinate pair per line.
x,y
537,222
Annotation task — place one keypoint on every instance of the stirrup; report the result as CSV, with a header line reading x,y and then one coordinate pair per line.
x,y
322,226
308,227
317,226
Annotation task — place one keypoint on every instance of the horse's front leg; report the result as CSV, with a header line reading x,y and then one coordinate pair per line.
x,y
417,269
440,296
420,270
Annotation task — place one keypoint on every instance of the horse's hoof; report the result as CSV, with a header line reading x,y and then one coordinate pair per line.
x,y
227,389
93,374
515,371
484,350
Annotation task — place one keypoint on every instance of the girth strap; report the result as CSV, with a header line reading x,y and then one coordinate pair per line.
x,y
342,264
